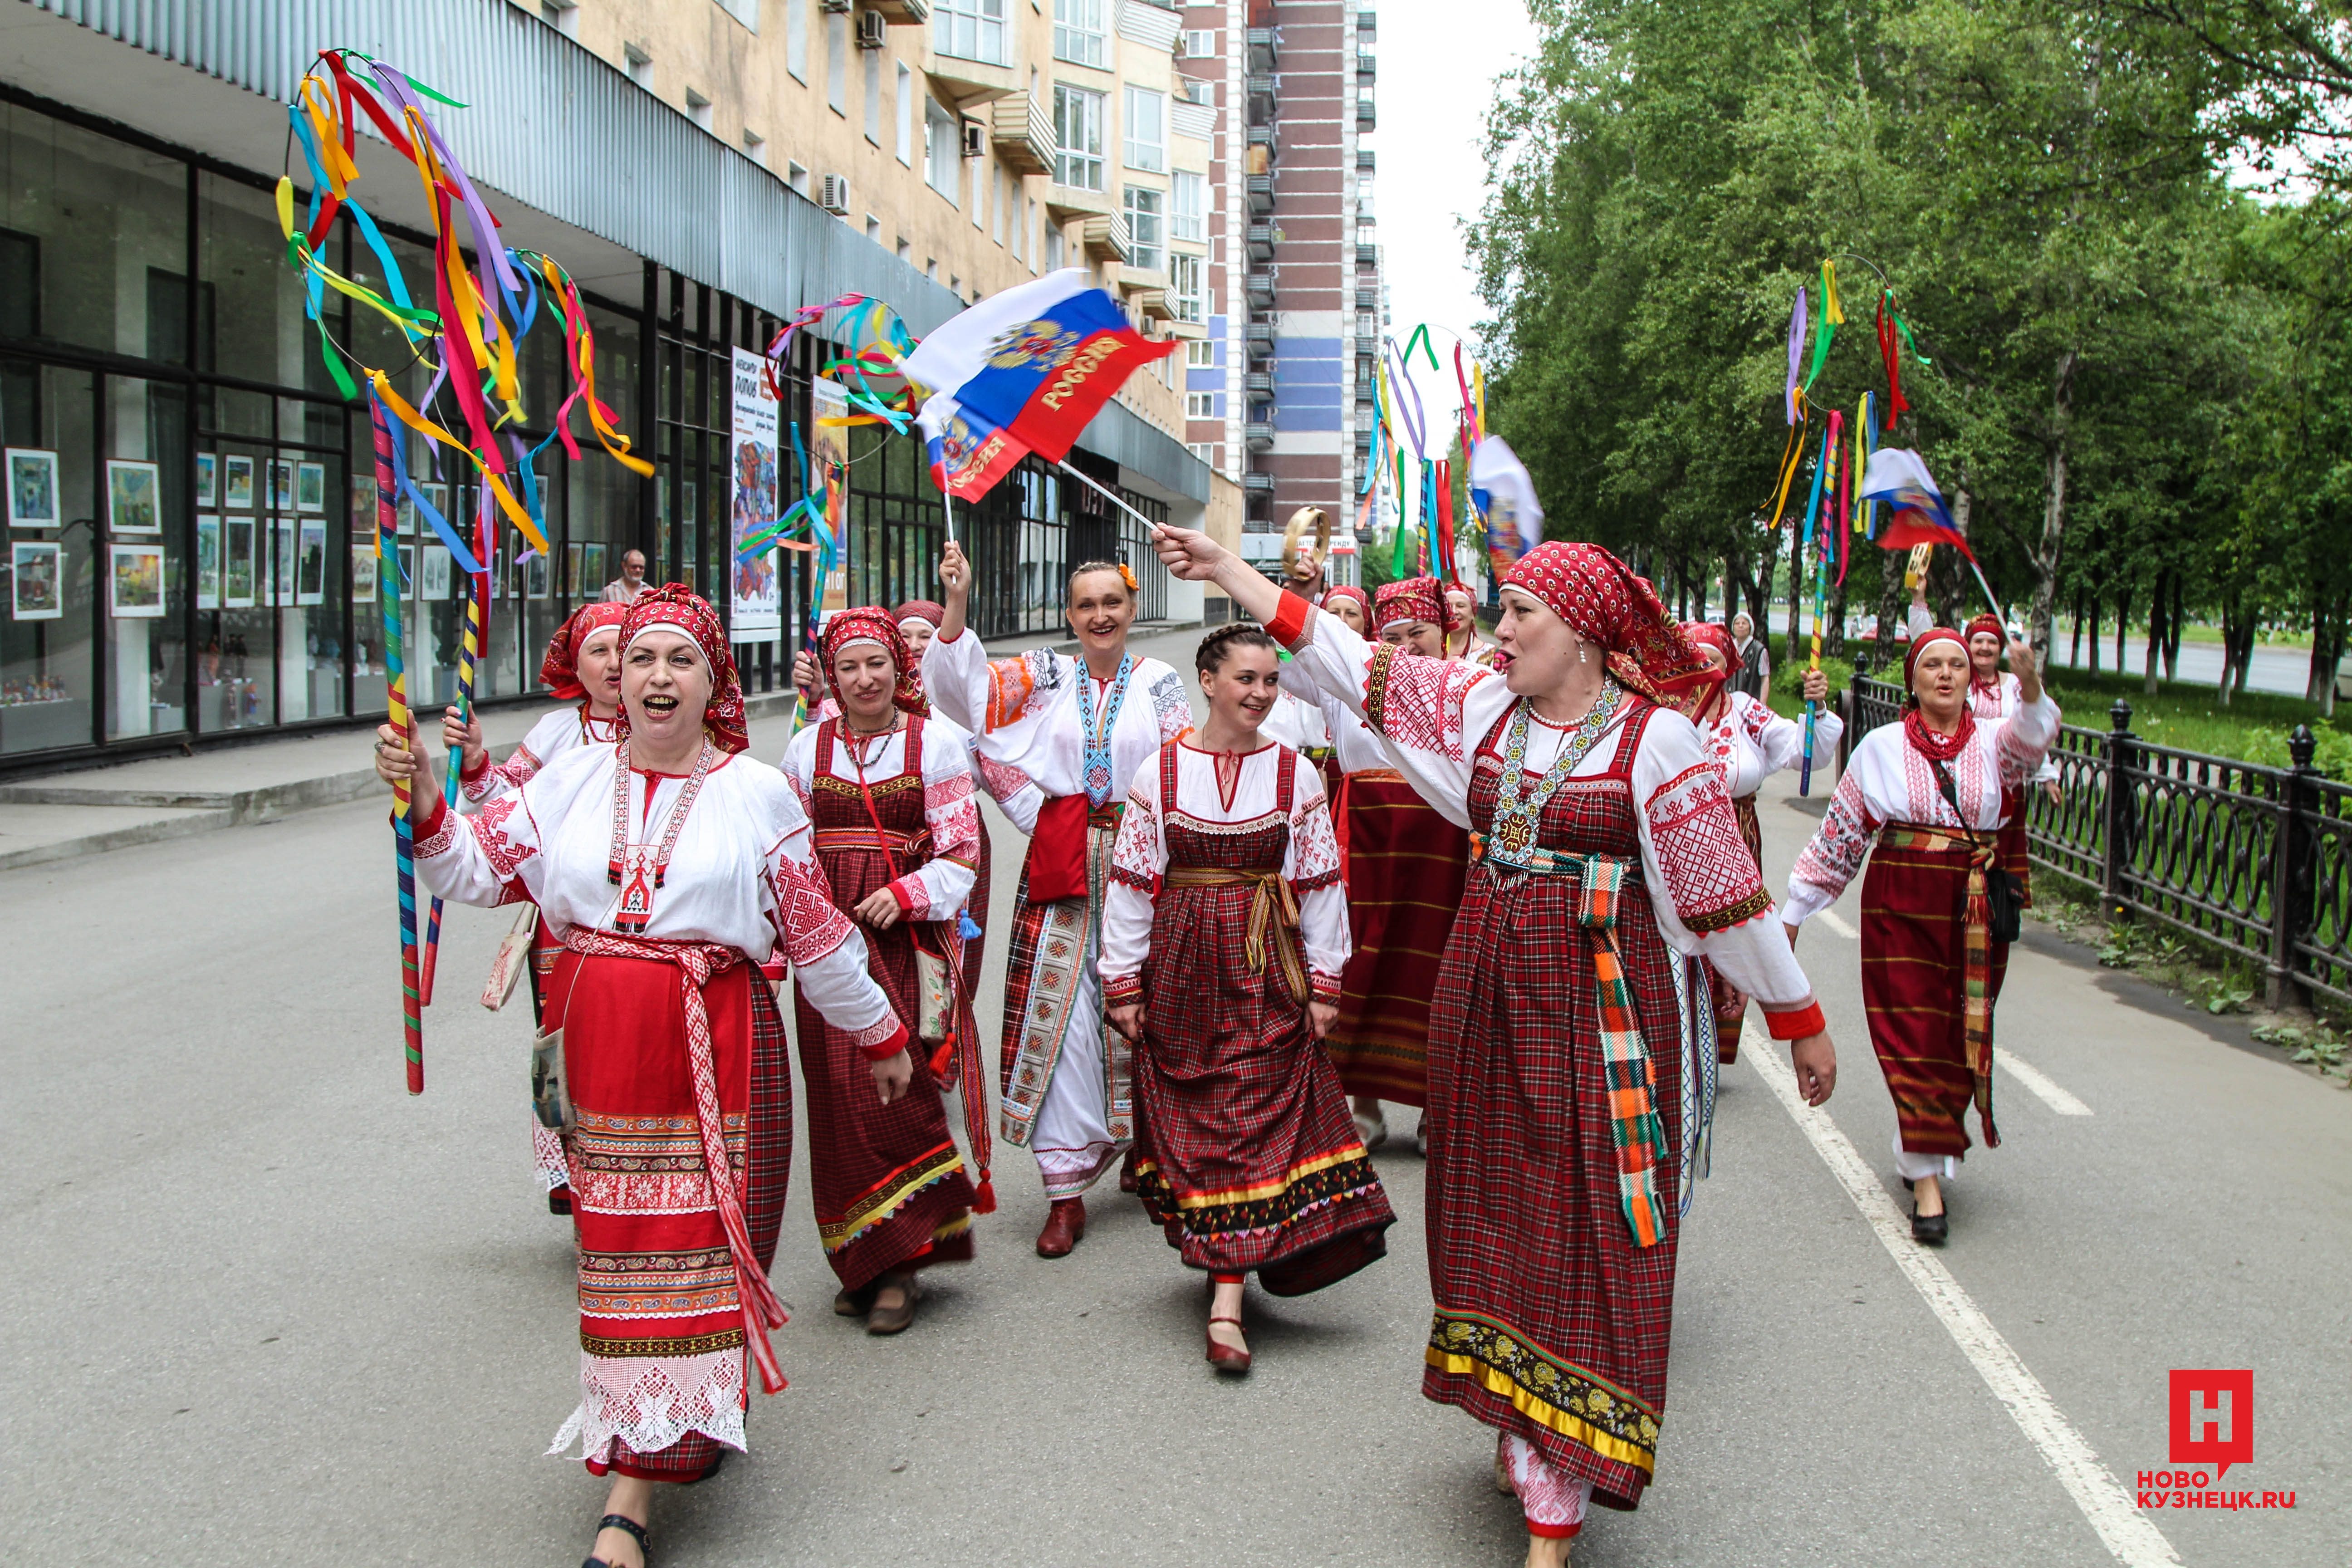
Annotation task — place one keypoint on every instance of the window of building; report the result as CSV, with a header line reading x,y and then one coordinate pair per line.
x,y
873,61
563,16
996,178
796,176
1022,218
906,115
1200,89
1187,291
1147,130
1199,355
1205,450
978,186
1188,207
874,228
1364,194
697,108
1080,32
796,38
1200,405
905,251
942,154
1368,325
837,61
1077,136
1200,43
1053,248
641,65
1147,245
755,147
969,30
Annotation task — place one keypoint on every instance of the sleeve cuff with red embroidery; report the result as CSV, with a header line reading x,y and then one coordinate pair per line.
x,y
1288,626
1122,990
1325,987
910,902
433,823
1797,1024
889,1044
470,771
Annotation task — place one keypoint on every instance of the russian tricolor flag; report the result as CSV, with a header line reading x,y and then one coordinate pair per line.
x,y
968,454
1028,368
1916,512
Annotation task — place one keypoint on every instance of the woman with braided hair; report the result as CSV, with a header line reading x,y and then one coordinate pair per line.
x,y
1224,934
1563,1072
672,868
1925,801
1059,736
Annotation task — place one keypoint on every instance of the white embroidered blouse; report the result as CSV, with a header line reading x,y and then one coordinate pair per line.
x,y
1310,863
2002,703
741,873
1353,743
938,887
1024,714
1706,893
1749,742
555,734
1886,780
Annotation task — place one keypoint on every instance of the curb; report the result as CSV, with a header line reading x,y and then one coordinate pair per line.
x,y
154,832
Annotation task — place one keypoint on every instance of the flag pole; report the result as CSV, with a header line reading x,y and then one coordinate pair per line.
x,y
389,591
1152,527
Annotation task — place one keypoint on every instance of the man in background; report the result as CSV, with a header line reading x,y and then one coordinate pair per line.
x,y
624,588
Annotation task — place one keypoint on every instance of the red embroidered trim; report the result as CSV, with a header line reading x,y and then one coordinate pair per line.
x,y
893,1040
1119,990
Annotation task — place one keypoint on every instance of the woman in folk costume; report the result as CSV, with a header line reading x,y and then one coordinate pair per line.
x,y
582,666
897,831
1405,864
671,866
1562,1042
1462,639
1059,738
1993,694
1224,935
1931,796
1748,743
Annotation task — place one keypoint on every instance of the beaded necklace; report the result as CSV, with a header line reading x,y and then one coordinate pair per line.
x,y
1518,806
1095,763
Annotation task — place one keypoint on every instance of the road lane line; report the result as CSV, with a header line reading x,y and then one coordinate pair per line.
x,y
2128,1533
2032,1077
1830,919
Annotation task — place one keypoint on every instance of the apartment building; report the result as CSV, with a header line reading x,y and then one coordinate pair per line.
x,y
703,167
1278,392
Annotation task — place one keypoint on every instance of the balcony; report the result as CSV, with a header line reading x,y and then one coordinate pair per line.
x,y
1258,341
971,83
1258,484
1258,93
1064,202
1263,50
1368,342
1368,298
1367,64
1261,242
1023,133
1368,24
1367,254
1104,237
1367,117
1259,382
1364,218
1260,286
1261,194
1263,136
903,12
1154,304
1259,434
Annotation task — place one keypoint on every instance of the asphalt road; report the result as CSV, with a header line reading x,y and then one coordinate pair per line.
x,y
268,1310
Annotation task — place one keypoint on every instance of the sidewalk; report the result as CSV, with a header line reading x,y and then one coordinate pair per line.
x,y
93,810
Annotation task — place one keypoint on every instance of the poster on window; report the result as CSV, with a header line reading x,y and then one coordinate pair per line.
x,y
829,468
755,593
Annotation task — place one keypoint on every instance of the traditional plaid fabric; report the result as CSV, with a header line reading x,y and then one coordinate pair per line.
x,y
1247,1155
1551,1323
1930,977
767,1169
885,1178
1405,864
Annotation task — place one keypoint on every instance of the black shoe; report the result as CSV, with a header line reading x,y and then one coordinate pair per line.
x,y
1928,1230
1906,1183
626,1526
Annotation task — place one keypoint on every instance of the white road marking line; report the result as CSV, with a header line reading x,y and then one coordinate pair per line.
x,y
2034,1079
2128,1533
1830,919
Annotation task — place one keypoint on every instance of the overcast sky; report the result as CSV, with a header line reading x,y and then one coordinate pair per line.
x,y
1438,61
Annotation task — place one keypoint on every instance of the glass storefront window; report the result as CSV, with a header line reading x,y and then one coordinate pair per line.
x,y
251,298
144,521
48,665
93,240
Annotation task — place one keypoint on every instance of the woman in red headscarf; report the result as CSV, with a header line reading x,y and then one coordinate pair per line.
x,y
1931,794
1564,1126
672,867
1748,743
1404,864
582,667
898,832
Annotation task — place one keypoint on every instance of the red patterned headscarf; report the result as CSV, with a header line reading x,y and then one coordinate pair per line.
x,y
1707,634
675,607
872,624
921,609
560,670
1349,591
1982,625
1599,597
1410,599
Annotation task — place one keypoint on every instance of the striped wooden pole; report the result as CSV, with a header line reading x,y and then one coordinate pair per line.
x,y
390,586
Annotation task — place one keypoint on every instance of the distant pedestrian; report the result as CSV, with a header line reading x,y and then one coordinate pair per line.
x,y
626,588
1925,801
1224,931
1752,659
675,867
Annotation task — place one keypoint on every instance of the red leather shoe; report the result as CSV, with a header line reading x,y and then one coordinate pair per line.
x,y
1224,1358
1066,1227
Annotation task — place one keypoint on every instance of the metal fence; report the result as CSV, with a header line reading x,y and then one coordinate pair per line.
x,y
2255,860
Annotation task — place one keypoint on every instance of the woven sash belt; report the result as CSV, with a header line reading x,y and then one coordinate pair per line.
x,y
907,844
697,961
1639,1134
1274,914
1975,970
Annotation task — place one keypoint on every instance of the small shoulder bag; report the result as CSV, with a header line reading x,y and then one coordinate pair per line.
x,y
2003,891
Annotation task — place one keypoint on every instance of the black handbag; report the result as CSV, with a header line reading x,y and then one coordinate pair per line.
x,y
2003,892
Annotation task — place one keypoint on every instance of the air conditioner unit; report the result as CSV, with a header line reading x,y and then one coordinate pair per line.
x,y
975,140
872,30
837,5
833,194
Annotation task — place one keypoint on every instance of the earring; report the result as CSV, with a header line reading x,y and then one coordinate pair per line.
x,y
1580,655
